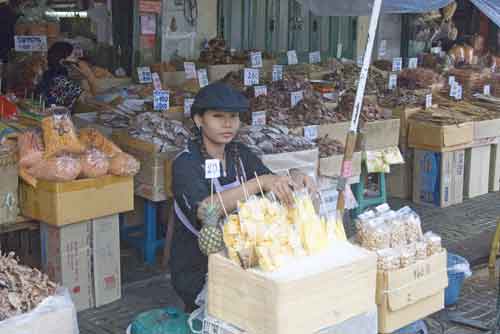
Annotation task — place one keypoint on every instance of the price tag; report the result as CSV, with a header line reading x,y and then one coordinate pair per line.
x,y
451,80
382,48
156,81
30,43
296,97
292,57
311,132
251,76
458,92
212,168
454,89
190,70
161,100
259,118
393,81
144,74
339,50
428,101
487,90
203,77
413,63
260,90
314,57
188,103
256,59
329,198
277,72
436,50
397,64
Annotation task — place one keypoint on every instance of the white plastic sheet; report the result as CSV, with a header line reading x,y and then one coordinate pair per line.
x,y
364,7
56,314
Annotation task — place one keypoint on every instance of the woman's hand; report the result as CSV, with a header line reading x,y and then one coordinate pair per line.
x,y
305,181
281,186
85,69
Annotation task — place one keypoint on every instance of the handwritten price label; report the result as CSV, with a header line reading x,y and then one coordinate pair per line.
x,y
311,132
296,97
428,101
144,74
393,81
161,100
260,90
251,76
451,80
277,72
212,168
413,63
256,59
397,64
292,57
314,57
190,70
202,77
487,90
30,43
259,118
188,103
156,81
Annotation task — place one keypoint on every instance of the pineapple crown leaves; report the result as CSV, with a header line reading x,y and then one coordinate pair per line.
x,y
209,213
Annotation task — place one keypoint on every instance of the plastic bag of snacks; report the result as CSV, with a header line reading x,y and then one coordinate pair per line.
x,y
30,148
408,255
94,163
59,134
412,223
433,242
388,259
376,234
92,138
420,250
123,164
62,168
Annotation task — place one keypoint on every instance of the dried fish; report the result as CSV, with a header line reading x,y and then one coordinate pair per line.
x,y
328,147
21,288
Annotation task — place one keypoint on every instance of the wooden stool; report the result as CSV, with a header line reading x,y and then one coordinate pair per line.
x,y
359,192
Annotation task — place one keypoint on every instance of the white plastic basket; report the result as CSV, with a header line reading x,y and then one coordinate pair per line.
x,y
215,326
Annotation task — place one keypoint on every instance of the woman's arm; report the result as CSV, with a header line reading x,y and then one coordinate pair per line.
x,y
89,75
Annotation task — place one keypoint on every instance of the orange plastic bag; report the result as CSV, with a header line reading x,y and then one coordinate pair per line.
x,y
57,169
123,164
94,163
30,148
92,138
59,135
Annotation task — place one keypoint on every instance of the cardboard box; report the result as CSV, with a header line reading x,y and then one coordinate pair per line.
x,y
487,129
106,259
494,182
9,182
399,180
412,293
61,203
331,166
85,258
404,114
306,162
438,177
429,136
477,171
151,180
217,72
313,293
67,259
380,134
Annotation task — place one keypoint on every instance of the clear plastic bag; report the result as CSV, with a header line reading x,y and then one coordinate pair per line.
x,y
94,163
433,242
408,255
30,148
123,164
376,235
412,223
92,138
59,134
57,169
388,259
420,250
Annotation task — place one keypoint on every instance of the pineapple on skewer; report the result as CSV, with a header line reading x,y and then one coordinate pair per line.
x,y
210,239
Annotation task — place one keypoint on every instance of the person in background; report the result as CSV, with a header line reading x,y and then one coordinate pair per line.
x,y
57,86
216,114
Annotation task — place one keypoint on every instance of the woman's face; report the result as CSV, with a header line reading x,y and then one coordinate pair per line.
x,y
219,127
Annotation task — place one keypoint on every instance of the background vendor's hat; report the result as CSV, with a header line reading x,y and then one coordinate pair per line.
x,y
219,96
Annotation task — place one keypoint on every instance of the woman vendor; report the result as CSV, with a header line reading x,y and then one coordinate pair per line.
x,y
215,113
57,86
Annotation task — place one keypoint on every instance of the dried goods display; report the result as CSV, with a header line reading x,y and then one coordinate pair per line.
x,y
268,235
472,79
21,288
217,53
419,78
403,98
156,129
396,236
272,139
346,75
371,111
328,147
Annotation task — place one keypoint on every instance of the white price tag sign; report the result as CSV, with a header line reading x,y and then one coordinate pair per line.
x,y
451,80
251,76
393,81
397,64
314,57
296,97
339,50
277,72
190,70
156,81
260,90
458,92
203,77
487,90
212,168
161,100
413,63
259,118
292,57
382,48
30,43
428,101
144,74
188,103
436,50
256,59
311,132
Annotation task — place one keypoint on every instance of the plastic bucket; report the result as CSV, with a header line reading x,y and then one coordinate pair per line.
x,y
455,279
418,327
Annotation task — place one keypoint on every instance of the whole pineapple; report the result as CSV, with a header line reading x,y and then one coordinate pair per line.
x,y
210,239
